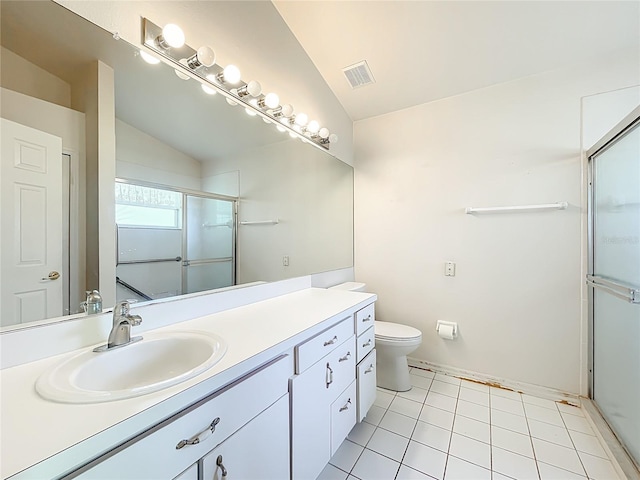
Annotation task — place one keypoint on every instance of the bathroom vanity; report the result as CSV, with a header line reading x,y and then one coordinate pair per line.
x,y
293,382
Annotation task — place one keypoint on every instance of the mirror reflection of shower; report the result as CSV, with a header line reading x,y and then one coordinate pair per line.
x,y
171,241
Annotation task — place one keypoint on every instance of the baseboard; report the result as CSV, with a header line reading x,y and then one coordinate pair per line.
x,y
526,388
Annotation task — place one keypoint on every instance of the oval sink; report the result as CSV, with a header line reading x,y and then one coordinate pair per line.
x,y
156,362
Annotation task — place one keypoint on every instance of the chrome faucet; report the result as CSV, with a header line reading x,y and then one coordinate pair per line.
x,y
120,334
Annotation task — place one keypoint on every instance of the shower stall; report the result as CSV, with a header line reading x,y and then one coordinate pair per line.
x,y
614,282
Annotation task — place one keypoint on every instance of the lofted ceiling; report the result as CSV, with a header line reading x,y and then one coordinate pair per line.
x,y
421,51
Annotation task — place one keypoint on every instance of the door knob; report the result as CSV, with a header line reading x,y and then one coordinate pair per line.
x,y
52,276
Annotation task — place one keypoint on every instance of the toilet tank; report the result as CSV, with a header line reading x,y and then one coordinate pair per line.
x,y
352,286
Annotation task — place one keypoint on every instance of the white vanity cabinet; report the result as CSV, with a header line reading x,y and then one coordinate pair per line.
x,y
366,360
238,414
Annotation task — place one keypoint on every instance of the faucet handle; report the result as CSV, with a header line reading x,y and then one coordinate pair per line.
x,y
122,308
134,320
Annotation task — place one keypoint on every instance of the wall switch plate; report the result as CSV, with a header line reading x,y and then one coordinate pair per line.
x,y
449,269
285,261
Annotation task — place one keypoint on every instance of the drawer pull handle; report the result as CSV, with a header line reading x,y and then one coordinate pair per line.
x,y
368,344
370,369
367,319
346,406
222,469
329,378
199,437
345,358
331,342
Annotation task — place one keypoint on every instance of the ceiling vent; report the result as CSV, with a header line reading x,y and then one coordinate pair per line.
x,y
358,75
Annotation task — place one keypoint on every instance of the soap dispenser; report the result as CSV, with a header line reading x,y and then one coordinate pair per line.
x,y
93,304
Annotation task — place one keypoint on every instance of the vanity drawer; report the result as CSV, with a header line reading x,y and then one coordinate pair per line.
x,y
366,380
325,342
365,318
366,343
158,454
343,416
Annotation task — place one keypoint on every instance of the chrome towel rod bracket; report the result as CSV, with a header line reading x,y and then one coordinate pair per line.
x,y
518,208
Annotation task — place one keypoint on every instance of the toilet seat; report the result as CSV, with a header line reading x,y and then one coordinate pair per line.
x,y
396,332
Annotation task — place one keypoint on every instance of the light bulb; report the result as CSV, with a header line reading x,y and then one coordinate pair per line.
x,y
150,59
172,36
205,56
297,128
266,120
281,128
293,135
231,102
301,119
313,127
333,138
254,88
286,110
208,90
181,75
324,132
231,74
271,100
251,112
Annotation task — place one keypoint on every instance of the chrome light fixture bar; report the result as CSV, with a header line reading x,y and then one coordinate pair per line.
x,y
200,64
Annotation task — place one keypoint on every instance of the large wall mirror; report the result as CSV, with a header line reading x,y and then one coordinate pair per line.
x,y
203,195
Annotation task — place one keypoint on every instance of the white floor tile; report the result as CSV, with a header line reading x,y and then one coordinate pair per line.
x,y
437,416
550,433
447,378
579,424
416,394
373,466
543,414
507,405
361,433
406,473
541,402
374,415
398,423
512,441
588,444
571,409
422,373
549,472
509,421
470,384
458,469
388,444
598,468
558,456
445,388
470,450
472,410
432,436
513,465
425,459
472,428
505,393
332,473
443,402
351,477
494,476
406,407
383,398
346,456
474,396
420,382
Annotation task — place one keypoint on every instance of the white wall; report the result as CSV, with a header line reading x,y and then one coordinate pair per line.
x,y
249,34
517,291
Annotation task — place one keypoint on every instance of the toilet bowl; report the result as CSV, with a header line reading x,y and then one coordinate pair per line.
x,y
394,342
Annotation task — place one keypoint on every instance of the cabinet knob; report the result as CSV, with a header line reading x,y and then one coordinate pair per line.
x,y
367,319
346,406
370,369
331,342
222,469
367,344
345,358
329,377
199,437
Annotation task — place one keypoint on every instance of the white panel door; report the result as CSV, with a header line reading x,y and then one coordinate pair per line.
x,y
31,224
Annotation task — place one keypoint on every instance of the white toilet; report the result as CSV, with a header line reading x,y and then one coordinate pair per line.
x,y
393,343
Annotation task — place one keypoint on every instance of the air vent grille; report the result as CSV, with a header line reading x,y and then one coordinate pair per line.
x,y
358,75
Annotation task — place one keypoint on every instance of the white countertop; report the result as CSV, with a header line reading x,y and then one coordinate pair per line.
x,y
54,438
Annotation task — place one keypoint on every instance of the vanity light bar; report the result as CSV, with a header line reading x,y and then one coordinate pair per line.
x,y
178,58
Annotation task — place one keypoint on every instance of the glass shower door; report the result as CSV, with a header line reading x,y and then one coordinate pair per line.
x,y
209,244
615,282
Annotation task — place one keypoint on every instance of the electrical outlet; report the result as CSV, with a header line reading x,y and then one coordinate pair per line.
x,y
450,269
285,261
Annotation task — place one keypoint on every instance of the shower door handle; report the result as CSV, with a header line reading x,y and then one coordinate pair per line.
x,y
624,292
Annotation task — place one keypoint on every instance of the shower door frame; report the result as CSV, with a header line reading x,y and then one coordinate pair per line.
x,y
625,125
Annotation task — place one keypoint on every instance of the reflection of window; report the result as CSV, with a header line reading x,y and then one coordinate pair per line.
x,y
147,207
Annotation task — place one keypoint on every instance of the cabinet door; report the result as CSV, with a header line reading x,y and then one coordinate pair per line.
x,y
258,451
190,473
343,416
366,380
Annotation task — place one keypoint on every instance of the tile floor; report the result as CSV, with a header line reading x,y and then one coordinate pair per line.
x,y
451,429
